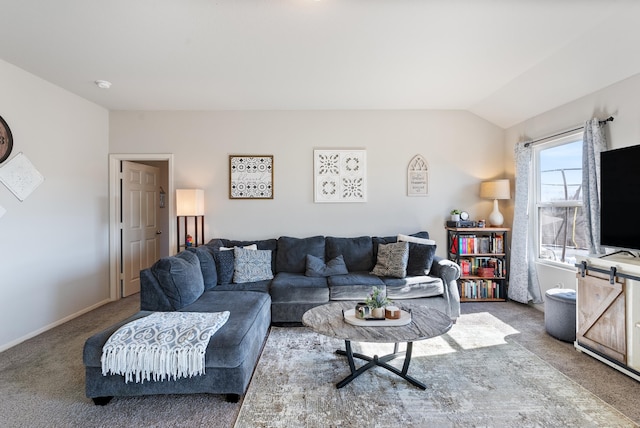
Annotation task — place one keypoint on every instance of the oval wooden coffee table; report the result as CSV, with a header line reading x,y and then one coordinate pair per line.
x,y
425,323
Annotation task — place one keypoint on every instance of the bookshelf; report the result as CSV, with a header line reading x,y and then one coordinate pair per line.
x,y
481,253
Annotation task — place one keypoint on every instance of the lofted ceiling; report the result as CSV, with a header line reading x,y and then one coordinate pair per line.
x,y
504,60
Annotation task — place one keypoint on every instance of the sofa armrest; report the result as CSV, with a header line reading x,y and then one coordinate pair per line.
x,y
449,272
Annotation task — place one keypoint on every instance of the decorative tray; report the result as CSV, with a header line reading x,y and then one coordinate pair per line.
x,y
350,318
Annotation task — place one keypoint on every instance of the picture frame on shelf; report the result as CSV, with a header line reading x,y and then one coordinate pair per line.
x,y
251,177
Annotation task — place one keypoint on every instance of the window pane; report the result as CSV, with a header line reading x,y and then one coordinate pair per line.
x,y
561,173
562,233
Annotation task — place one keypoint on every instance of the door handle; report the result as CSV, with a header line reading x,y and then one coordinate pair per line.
x,y
158,232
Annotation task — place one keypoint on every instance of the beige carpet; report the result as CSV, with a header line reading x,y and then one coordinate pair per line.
x,y
476,376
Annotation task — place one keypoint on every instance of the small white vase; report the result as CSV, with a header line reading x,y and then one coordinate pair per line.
x,y
377,312
455,217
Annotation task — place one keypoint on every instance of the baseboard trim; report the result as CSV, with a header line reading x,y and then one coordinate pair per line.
x,y
13,343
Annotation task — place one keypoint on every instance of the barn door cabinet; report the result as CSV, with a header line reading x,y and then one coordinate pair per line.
x,y
608,311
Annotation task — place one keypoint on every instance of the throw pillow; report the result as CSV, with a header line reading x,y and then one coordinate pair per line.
x,y
207,265
421,254
251,265
317,267
246,247
392,260
224,265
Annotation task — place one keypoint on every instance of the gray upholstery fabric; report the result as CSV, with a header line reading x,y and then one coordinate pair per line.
x,y
297,287
152,298
180,278
207,265
230,357
260,286
354,286
251,265
317,267
392,260
413,287
357,252
225,264
560,313
420,259
292,252
264,244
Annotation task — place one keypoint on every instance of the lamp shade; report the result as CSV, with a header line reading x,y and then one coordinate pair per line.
x,y
495,189
189,202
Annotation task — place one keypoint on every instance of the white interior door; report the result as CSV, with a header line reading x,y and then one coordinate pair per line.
x,y
139,249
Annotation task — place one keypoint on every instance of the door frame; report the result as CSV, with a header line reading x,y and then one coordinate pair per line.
x,y
114,206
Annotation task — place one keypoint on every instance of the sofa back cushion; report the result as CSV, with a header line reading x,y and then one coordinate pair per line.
x,y
292,252
264,244
357,252
180,278
207,265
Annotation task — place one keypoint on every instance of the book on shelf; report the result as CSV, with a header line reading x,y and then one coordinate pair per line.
x,y
472,244
481,289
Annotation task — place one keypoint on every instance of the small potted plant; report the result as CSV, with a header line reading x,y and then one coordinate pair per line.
x,y
455,215
377,300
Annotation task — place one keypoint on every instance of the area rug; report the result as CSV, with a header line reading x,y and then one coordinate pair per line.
x,y
475,375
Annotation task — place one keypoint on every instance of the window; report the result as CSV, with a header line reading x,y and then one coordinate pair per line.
x,y
559,212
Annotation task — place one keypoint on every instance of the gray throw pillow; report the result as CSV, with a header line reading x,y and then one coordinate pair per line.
x,y
224,265
251,265
392,260
317,267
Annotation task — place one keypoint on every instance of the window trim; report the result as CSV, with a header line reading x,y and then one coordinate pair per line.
x,y
535,184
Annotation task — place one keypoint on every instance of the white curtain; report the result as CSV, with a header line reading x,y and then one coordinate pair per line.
x,y
594,141
523,278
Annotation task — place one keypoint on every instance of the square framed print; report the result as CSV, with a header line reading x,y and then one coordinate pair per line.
x,y
340,175
250,176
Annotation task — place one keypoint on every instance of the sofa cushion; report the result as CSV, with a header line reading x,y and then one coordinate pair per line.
x,y
180,278
251,265
292,252
353,286
421,254
357,252
225,262
317,267
264,244
287,287
392,260
413,287
207,265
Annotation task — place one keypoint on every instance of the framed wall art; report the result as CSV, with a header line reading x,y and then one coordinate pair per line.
x,y
251,177
418,177
340,175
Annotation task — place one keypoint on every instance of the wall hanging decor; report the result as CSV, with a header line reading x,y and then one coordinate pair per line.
x,y
6,140
251,177
418,177
20,176
340,175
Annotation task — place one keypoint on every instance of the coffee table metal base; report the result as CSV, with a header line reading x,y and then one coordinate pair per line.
x,y
378,361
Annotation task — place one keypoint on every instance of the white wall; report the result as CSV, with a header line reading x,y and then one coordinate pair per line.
x,y
461,150
54,245
619,100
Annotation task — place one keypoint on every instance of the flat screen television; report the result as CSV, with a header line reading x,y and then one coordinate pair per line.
x,y
620,198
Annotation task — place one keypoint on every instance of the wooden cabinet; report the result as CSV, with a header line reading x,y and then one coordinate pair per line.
x,y
601,315
482,256
608,311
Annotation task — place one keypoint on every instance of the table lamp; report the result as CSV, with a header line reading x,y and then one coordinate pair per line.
x,y
495,189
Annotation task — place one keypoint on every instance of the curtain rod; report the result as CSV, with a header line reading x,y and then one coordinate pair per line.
x,y
602,122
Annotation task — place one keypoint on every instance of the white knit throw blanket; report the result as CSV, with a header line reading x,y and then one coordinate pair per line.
x,y
163,345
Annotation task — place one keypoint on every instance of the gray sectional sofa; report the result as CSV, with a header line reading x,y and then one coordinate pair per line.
x,y
264,282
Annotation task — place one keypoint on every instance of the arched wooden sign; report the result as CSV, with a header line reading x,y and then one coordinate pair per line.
x,y
418,177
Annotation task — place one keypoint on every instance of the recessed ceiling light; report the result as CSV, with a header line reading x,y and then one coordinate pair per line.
x,y
103,84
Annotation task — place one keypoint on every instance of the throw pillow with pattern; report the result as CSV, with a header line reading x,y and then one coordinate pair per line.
x,y
251,265
392,260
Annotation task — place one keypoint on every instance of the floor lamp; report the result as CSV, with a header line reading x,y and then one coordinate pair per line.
x,y
190,204
495,189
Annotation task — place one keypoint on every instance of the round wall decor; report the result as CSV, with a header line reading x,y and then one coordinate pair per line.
x,y
6,140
